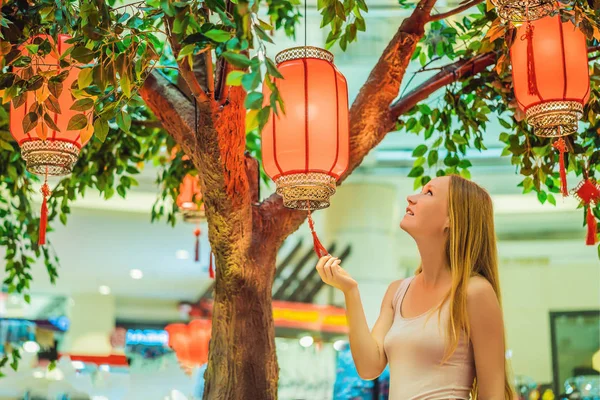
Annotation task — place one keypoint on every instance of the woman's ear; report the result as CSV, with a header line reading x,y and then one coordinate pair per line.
x,y
447,224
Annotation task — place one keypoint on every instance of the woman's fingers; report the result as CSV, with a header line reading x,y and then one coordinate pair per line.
x,y
327,267
321,266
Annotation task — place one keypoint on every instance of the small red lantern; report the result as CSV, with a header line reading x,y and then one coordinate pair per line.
x,y
306,149
49,151
190,342
189,200
588,192
551,79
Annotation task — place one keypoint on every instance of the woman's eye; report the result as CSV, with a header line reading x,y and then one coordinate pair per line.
x,y
429,192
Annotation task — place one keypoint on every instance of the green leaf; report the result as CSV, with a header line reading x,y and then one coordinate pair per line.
x,y
419,151
251,80
263,35
542,196
82,54
432,158
52,104
272,69
83,105
458,139
124,121
551,199
29,122
234,78
464,164
419,162
50,122
125,85
77,122
27,298
465,173
101,129
186,51
254,101
237,60
55,87
218,35
416,172
85,78
527,185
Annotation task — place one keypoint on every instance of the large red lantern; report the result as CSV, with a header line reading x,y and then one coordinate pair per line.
x,y
551,79
190,341
50,151
305,150
49,145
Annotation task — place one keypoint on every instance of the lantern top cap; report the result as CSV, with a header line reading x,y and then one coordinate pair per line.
x,y
297,53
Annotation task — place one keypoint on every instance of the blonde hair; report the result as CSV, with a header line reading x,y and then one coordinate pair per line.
x,y
470,251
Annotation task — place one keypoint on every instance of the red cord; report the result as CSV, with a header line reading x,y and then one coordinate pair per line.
x,y
44,213
197,250
319,248
592,226
211,267
561,146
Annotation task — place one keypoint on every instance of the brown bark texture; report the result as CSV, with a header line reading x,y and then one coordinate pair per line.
x,y
245,235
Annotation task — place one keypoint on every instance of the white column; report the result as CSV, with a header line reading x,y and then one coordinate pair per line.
x,y
366,216
92,320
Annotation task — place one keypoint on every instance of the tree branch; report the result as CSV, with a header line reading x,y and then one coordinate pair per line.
x,y
450,73
455,11
217,150
185,69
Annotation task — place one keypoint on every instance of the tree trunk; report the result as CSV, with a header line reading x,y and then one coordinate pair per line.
x,y
242,359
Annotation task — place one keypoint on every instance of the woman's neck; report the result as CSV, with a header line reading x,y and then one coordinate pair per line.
x,y
435,268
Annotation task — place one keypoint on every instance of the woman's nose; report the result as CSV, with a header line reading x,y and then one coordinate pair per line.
x,y
411,199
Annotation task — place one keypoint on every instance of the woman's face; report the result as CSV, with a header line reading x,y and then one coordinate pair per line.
x,y
427,211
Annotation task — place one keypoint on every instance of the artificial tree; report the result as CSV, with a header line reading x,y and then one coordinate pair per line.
x,y
188,74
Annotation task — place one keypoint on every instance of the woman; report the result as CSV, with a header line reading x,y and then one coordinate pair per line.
x,y
441,330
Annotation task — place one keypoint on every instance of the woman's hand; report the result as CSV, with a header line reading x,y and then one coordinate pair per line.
x,y
333,274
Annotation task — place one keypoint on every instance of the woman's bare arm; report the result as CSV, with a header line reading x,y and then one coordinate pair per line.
x,y
487,337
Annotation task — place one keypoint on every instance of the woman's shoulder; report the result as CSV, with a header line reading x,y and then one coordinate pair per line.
x,y
479,288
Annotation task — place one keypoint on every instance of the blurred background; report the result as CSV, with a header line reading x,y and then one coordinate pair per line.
x,y
122,279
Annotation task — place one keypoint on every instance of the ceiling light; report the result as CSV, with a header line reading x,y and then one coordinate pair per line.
x,y
31,347
78,364
182,255
104,290
306,341
136,274
104,367
38,374
339,345
99,398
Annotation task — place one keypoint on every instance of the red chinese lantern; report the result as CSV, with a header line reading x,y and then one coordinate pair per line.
x,y
305,150
48,151
551,78
190,342
588,192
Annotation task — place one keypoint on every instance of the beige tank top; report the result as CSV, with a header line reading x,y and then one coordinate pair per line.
x,y
415,349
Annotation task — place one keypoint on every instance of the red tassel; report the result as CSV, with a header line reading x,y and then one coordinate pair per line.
x,y
44,214
561,146
211,267
531,78
319,248
197,250
592,227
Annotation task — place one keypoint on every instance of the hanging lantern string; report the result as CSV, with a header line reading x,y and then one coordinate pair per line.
x,y
44,212
305,27
197,233
319,248
560,145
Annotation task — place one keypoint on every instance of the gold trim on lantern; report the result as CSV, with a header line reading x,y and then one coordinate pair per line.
x,y
52,157
555,118
523,10
296,53
310,191
193,216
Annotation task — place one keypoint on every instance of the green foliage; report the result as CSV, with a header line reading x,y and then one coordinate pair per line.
x,y
454,122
